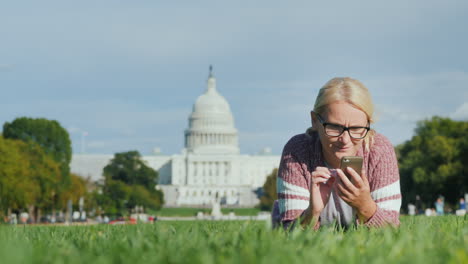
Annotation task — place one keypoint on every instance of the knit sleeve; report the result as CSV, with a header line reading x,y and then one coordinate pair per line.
x,y
292,185
384,181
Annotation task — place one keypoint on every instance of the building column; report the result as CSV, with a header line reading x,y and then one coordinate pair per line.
x,y
190,173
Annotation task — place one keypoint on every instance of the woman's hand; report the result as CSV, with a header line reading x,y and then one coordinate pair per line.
x,y
356,192
320,189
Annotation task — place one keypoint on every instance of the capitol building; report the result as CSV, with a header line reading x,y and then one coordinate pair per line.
x,y
209,168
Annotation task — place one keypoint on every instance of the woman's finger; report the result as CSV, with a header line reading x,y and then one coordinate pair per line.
x,y
321,174
356,178
320,180
343,190
341,193
345,181
364,177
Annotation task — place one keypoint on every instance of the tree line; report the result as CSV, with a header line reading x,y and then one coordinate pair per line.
x,y
35,156
432,163
129,182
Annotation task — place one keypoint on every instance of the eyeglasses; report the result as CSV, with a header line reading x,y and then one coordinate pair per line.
x,y
335,130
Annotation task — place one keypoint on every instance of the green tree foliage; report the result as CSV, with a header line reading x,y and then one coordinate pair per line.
x,y
55,142
78,188
115,196
44,172
141,196
49,134
28,176
128,182
128,167
269,192
16,188
434,161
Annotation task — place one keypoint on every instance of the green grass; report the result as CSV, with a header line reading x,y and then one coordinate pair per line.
x,y
194,211
418,240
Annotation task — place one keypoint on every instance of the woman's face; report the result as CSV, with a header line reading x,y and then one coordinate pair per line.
x,y
334,148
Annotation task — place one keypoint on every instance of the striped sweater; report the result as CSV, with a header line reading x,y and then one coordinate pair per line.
x,y
303,153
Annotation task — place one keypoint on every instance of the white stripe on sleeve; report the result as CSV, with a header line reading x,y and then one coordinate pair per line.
x,y
392,205
289,188
386,191
292,204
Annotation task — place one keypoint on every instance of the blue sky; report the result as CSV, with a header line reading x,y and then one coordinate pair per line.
x,y
128,72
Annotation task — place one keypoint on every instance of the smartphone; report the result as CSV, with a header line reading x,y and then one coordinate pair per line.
x,y
354,162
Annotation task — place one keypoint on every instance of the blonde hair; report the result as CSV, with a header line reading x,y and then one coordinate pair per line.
x,y
351,91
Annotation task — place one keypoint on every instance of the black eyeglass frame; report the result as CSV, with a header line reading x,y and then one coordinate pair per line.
x,y
325,124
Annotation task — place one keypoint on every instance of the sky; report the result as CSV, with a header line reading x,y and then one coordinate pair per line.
x,y
123,75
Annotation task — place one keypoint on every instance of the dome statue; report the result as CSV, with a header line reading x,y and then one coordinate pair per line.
x,y
211,124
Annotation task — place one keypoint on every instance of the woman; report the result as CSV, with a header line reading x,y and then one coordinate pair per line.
x,y
311,187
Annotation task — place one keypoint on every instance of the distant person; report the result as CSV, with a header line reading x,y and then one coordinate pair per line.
x,y
13,219
462,205
439,206
428,212
24,216
411,209
313,191
461,208
419,207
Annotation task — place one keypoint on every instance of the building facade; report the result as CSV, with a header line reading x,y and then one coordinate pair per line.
x,y
210,166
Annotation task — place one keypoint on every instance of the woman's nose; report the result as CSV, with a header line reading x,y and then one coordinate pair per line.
x,y
345,137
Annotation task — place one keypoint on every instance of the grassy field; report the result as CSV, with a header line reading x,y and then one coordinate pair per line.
x,y
194,211
418,240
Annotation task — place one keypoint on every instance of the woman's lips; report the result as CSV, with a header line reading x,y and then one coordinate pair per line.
x,y
343,148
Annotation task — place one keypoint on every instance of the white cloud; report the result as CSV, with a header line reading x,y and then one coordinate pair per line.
x,y
461,113
394,114
172,33
120,144
401,101
113,125
413,97
76,130
274,59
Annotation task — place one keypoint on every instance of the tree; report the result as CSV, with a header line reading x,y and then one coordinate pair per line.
x,y
434,161
77,189
28,177
269,194
141,196
52,138
49,134
129,168
128,182
45,174
17,188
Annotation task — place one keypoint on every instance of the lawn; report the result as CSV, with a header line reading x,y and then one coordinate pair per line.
x,y
193,211
419,240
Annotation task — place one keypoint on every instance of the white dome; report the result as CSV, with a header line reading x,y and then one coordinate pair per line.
x,y
211,124
211,101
